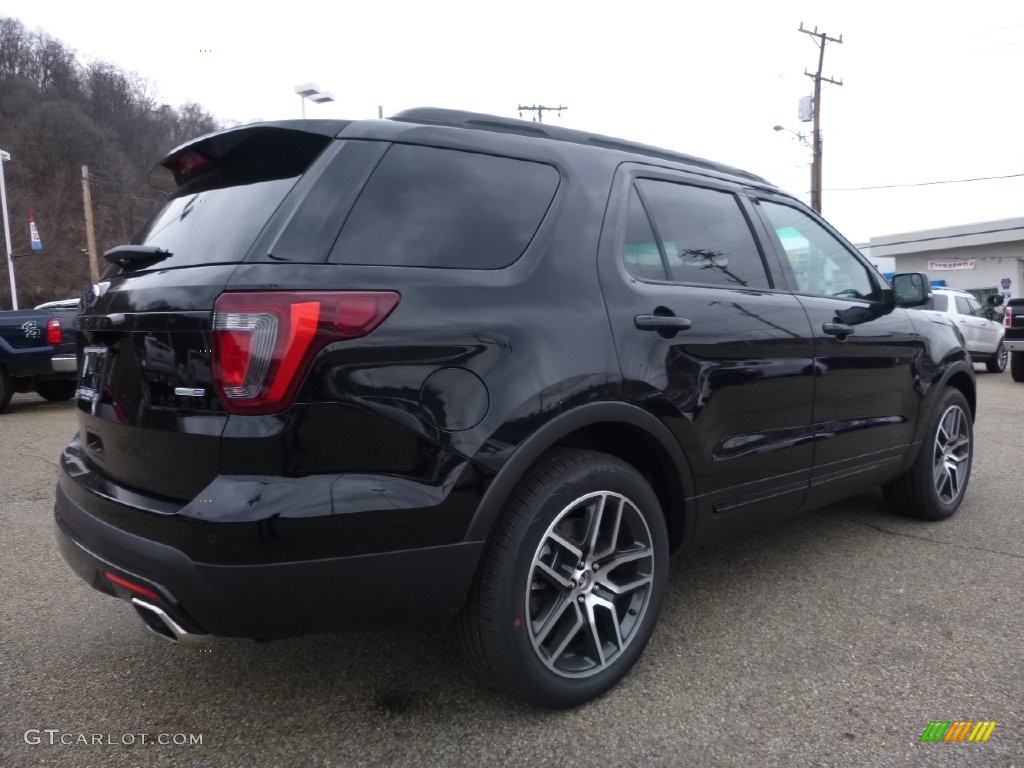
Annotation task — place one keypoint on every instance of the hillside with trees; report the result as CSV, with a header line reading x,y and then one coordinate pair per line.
x,y
57,114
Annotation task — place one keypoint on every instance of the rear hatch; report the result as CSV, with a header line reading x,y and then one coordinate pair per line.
x,y
149,413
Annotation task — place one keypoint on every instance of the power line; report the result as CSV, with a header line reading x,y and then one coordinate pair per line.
x,y
926,183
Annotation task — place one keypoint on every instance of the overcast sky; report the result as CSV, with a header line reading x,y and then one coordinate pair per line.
x,y
930,93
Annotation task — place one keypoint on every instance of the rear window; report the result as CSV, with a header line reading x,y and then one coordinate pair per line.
x,y
938,302
429,207
215,226
224,188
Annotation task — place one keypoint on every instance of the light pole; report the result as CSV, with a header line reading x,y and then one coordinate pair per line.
x,y
7,228
312,92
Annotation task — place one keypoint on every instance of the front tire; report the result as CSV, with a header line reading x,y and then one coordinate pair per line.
x,y
1017,366
572,581
934,487
997,363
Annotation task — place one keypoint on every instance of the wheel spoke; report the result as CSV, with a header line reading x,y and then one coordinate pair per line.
x,y
576,551
594,524
595,635
624,589
616,524
628,556
608,605
552,620
569,635
560,579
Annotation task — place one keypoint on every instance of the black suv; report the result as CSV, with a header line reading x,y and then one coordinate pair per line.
x,y
449,365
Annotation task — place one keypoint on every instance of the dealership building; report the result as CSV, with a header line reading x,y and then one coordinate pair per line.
x,y
983,258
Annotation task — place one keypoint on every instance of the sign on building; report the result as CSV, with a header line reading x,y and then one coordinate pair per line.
x,y
940,266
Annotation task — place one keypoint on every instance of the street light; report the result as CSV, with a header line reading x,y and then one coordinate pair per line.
x,y
7,228
312,92
803,140
800,137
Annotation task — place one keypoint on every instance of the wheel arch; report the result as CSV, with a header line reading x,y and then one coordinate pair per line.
x,y
625,431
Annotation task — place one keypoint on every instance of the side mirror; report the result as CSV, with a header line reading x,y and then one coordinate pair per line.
x,y
911,289
994,299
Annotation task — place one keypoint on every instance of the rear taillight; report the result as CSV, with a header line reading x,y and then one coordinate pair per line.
x,y
263,342
54,335
1007,317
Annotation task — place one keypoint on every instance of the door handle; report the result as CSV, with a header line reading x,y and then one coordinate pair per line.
x,y
839,330
661,323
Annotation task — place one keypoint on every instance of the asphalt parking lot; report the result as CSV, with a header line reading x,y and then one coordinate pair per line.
x,y
831,640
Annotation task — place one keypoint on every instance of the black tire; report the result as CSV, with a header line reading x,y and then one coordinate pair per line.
x,y
997,363
522,566
1017,366
57,389
6,389
919,493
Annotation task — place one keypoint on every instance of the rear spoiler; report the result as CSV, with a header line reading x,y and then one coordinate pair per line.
x,y
257,152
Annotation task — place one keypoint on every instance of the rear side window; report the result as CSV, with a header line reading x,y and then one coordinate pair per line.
x,y
704,234
939,302
428,207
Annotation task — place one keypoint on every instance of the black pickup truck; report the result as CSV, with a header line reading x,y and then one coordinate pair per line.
x,y
1013,319
37,353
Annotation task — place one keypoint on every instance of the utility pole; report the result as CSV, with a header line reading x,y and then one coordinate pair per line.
x,y
90,233
540,110
821,40
7,229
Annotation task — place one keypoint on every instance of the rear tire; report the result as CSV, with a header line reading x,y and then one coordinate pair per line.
x,y
934,487
6,389
56,390
1017,366
540,626
997,363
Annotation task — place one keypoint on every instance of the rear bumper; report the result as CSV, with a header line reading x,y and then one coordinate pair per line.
x,y
64,363
1014,345
263,600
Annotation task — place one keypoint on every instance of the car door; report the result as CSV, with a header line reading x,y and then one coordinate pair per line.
x,y
706,341
865,353
988,332
969,325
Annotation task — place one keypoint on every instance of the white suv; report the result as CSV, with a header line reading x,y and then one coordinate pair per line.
x,y
983,336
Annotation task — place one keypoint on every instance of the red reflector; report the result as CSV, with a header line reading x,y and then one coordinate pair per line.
x,y
54,334
131,585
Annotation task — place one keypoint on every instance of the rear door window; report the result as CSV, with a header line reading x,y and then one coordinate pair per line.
x,y
963,306
704,236
430,207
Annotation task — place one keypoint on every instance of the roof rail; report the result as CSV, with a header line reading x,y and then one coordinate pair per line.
x,y
457,118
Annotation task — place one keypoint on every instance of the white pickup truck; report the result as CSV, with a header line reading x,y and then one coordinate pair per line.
x,y
983,336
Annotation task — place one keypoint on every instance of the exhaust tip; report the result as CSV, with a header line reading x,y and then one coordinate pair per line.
x,y
157,621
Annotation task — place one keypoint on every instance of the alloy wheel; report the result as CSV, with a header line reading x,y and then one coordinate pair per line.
x,y
589,585
951,453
